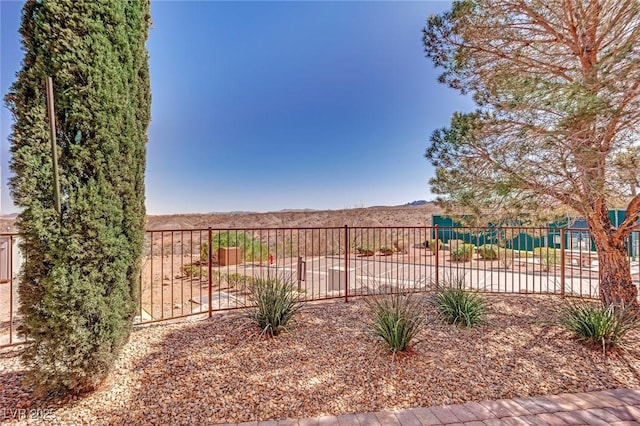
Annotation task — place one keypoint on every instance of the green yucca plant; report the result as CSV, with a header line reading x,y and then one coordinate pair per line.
x,y
275,303
395,319
459,306
600,325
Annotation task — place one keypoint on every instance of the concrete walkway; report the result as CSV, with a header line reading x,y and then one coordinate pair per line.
x,y
613,407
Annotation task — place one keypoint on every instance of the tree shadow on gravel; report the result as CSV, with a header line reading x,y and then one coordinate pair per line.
x,y
16,400
545,358
207,373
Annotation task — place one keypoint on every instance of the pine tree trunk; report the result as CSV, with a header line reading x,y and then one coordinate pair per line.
x,y
616,286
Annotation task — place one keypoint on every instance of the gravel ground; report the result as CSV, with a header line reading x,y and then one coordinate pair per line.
x,y
220,370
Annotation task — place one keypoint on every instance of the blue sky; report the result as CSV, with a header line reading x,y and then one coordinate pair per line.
x,y
272,105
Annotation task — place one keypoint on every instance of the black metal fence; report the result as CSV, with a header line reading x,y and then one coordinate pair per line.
x,y
197,272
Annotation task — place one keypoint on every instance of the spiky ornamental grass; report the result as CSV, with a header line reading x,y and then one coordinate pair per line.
x,y
455,303
459,306
600,325
395,318
78,286
275,303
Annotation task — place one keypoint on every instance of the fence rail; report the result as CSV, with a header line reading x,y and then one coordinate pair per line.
x,y
200,271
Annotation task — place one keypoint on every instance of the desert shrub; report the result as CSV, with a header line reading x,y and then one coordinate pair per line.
x,y
431,244
252,248
457,305
549,257
400,245
463,253
204,253
598,324
454,244
275,303
541,251
201,273
395,319
365,250
488,251
195,271
386,250
236,280
505,259
520,254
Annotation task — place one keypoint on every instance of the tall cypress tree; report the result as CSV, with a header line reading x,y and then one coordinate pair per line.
x,y
78,287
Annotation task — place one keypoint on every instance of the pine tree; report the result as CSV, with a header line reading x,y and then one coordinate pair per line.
x,y
78,287
556,86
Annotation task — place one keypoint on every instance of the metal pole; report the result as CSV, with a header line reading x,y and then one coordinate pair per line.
x,y
10,268
437,255
346,263
210,269
54,155
562,261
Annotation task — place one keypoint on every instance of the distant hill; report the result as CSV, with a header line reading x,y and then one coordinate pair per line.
x,y
417,213
406,215
417,203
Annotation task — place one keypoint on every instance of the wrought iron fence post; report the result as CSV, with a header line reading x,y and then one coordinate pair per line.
x,y
437,242
299,270
10,277
346,263
562,261
210,270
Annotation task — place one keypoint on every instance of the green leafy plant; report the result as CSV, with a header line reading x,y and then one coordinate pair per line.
x,y
201,273
600,325
195,271
456,304
463,253
488,251
236,280
274,303
395,319
386,251
252,248
365,250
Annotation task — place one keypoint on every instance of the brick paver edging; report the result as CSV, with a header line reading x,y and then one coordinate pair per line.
x,y
616,407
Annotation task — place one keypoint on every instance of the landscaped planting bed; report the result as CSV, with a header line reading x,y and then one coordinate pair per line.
x,y
222,370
